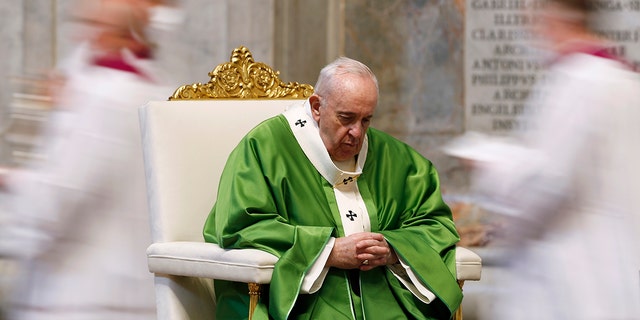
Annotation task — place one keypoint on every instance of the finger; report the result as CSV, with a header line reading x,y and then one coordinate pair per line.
x,y
375,250
367,256
373,258
370,243
372,263
381,261
374,236
367,236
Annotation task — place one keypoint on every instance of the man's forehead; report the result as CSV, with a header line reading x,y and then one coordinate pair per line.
x,y
353,110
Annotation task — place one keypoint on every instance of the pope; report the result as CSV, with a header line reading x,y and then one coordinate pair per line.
x,y
355,216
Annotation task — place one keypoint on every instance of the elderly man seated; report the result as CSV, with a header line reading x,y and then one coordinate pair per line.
x,y
355,216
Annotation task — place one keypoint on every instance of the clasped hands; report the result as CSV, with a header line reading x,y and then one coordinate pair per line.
x,y
364,251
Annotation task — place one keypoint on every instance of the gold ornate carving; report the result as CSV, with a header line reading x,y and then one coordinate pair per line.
x,y
254,296
243,78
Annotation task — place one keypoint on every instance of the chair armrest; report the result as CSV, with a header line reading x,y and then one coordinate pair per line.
x,y
468,264
208,260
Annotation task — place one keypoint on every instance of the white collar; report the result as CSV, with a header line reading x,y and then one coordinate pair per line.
x,y
306,131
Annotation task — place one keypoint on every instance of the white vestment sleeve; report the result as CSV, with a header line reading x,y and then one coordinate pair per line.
x,y
315,276
403,272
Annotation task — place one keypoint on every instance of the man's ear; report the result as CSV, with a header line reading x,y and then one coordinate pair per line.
x,y
314,101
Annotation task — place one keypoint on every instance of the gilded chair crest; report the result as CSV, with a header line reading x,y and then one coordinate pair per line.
x,y
243,78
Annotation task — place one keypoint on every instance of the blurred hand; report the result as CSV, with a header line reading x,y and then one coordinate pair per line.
x,y
364,251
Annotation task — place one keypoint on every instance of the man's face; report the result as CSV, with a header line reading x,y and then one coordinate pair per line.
x,y
344,115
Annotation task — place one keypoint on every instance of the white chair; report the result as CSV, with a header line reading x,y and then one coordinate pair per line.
x,y
186,143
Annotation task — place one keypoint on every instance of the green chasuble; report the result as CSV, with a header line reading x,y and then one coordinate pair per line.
x,y
271,197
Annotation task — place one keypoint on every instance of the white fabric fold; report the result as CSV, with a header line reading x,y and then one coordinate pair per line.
x,y
314,278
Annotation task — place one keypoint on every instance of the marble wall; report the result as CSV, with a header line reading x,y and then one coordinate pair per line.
x,y
414,46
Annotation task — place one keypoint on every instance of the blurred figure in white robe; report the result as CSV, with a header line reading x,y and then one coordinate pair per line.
x,y
569,183
77,224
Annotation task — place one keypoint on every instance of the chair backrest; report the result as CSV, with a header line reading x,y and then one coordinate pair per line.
x,y
187,139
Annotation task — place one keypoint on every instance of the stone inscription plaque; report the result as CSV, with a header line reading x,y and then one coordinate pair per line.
x,y
502,62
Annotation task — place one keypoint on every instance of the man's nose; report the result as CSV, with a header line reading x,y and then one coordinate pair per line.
x,y
356,130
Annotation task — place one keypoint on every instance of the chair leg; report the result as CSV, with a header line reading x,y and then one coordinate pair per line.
x,y
254,296
458,314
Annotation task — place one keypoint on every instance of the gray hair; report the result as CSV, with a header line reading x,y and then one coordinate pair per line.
x,y
340,66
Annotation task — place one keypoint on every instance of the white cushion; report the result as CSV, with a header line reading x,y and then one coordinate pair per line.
x,y
468,264
208,260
